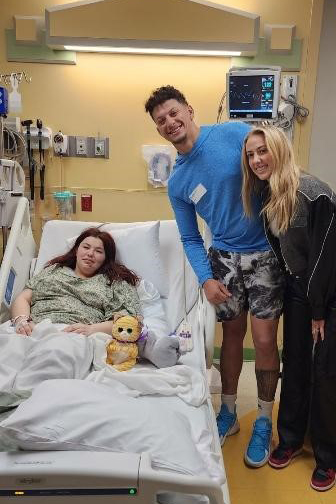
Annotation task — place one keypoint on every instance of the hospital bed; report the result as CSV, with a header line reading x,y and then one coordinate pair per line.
x,y
92,477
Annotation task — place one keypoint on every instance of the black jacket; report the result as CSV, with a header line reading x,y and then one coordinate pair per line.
x,y
308,248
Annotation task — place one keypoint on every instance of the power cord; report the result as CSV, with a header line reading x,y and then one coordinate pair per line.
x,y
220,108
289,110
300,112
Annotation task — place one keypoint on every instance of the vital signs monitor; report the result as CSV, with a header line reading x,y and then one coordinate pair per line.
x,y
252,93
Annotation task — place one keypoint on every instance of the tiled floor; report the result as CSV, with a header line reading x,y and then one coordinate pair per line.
x,y
265,485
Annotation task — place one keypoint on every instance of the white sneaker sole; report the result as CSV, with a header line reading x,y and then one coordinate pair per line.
x,y
234,429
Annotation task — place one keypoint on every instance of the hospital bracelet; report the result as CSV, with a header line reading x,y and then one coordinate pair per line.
x,y
27,318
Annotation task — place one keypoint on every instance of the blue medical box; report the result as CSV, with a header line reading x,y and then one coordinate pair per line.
x,y
3,101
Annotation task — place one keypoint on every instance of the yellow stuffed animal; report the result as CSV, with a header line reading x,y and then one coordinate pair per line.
x,y
122,351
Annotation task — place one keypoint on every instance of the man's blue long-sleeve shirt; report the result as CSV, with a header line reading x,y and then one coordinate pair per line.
x,y
207,180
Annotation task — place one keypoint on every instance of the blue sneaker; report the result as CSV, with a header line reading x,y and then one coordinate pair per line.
x,y
227,423
258,450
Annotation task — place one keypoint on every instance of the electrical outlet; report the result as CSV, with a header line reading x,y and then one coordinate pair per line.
x,y
81,146
99,147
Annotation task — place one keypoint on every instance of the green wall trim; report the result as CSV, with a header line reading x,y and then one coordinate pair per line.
x,y
287,62
36,53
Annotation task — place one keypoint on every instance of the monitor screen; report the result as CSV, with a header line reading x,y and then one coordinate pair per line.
x,y
252,95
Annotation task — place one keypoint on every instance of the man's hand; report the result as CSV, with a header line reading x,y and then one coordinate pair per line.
x,y
85,329
215,291
317,328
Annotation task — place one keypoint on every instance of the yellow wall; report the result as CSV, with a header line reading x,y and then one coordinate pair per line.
x,y
105,94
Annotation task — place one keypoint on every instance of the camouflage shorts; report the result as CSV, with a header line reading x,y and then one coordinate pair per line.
x,y
255,281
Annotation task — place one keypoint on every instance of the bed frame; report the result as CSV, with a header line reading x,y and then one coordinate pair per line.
x,y
99,477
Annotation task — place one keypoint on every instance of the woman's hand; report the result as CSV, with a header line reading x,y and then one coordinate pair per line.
x,y
85,329
318,328
20,309
24,327
215,291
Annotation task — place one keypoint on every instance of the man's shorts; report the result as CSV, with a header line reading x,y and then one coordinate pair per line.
x,y
254,280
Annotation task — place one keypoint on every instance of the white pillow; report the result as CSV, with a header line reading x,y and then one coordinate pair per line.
x,y
82,415
138,248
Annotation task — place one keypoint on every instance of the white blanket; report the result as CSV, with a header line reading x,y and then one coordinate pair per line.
x,y
49,353
81,415
182,381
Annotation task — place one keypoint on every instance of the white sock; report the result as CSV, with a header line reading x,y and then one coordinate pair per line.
x,y
265,409
230,401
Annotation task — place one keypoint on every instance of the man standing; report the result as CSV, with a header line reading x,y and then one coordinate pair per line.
x,y
240,272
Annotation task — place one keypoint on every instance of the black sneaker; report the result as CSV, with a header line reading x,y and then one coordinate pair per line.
x,y
281,457
323,479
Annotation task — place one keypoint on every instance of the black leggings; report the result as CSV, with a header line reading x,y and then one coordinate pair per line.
x,y
308,390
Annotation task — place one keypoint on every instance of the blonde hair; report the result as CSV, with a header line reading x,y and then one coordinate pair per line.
x,y
283,182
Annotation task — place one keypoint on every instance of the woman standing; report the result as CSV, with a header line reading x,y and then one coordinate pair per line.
x,y
300,222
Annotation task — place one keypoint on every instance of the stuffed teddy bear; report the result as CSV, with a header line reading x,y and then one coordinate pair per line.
x,y
122,351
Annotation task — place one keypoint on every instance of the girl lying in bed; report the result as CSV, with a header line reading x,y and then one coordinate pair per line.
x,y
83,289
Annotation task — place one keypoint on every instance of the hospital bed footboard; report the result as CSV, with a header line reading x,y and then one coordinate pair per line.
x,y
94,477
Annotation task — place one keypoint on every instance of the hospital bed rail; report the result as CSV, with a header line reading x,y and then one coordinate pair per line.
x,y
15,266
207,320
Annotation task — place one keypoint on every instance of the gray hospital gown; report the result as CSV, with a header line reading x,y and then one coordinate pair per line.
x,y
63,297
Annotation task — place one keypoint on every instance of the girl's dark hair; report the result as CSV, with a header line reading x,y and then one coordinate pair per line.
x,y
110,268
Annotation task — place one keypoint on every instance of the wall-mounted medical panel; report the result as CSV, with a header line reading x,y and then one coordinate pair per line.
x,y
89,147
